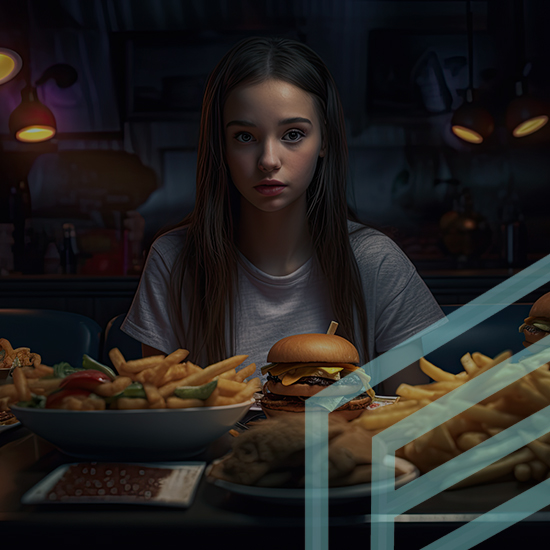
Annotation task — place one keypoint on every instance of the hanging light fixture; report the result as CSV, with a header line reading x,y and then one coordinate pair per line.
x,y
525,115
471,122
10,64
31,121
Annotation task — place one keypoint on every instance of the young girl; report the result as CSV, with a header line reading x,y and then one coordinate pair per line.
x,y
271,248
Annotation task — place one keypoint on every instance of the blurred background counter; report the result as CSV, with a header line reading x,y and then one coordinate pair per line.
x,y
104,297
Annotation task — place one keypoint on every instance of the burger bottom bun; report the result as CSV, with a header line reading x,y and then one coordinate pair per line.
x,y
278,413
277,407
533,337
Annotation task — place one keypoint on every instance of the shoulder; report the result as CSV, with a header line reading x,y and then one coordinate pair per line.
x,y
168,246
375,251
360,234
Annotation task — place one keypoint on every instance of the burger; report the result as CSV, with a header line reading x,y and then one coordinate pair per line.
x,y
537,325
302,365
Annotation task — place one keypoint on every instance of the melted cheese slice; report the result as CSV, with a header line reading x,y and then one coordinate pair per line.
x,y
332,373
281,368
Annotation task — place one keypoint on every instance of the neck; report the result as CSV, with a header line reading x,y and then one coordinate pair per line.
x,y
277,243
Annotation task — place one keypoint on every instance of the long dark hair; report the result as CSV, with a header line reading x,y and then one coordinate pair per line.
x,y
205,274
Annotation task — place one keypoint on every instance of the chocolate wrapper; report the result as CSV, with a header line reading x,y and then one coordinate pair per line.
x,y
161,484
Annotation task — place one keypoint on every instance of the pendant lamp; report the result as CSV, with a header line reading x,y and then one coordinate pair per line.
x,y
471,122
32,121
10,64
525,115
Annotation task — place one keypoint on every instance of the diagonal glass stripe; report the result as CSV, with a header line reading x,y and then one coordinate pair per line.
x,y
428,340
495,521
316,479
462,398
469,462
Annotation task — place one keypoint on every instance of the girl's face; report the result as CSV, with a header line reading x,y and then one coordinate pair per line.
x,y
273,142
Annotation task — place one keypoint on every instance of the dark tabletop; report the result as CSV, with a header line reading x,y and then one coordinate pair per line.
x,y
218,518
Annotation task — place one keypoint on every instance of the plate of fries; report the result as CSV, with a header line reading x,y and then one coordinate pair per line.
x,y
156,407
478,423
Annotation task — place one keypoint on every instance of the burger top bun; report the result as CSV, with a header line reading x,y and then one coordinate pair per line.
x,y
541,308
309,348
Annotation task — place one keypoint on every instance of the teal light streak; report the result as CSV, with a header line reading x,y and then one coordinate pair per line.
x,y
384,366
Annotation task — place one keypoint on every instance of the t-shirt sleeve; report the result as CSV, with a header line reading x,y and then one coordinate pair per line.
x,y
397,298
410,310
148,318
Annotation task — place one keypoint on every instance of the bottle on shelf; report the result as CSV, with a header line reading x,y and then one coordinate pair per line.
x,y
52,260
69,256
19,207
513,231
6,248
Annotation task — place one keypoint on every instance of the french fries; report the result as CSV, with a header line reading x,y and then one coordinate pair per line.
x,y
146,383
437,374
475,425
21,385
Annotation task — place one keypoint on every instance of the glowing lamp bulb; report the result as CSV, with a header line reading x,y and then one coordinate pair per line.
x,y
530,126
34,134
467,134
10,64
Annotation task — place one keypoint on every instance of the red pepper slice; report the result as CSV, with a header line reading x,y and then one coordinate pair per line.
x,y
86,380
54,399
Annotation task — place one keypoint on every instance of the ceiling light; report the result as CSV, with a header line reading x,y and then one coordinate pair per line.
x,y
525,115
31,121
10,64
471,122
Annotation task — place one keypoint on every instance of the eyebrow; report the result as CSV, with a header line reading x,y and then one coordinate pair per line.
x,y
283,122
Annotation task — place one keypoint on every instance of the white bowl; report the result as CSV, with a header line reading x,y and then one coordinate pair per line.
x,y
158,434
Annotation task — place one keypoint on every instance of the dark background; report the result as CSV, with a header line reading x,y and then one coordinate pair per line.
x,y
128,128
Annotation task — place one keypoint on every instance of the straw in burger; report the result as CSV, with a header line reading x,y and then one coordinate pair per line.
x,y
302,365
537,325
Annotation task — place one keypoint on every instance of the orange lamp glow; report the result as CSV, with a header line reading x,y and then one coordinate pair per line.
x,y
10,64
467,134
35,133
472,123
530,126
526,115
31,120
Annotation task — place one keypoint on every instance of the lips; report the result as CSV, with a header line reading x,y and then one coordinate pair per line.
x,y
270,187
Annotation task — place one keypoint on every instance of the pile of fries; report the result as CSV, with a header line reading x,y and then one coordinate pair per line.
x,y
28,379
478,423
159,377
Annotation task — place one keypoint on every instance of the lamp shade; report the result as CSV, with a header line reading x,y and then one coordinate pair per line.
x,y
472,123
31,121
10,64
526,115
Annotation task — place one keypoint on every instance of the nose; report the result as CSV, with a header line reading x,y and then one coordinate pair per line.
x,y
269,159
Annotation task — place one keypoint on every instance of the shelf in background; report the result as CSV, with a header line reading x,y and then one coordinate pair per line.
x,y
102,298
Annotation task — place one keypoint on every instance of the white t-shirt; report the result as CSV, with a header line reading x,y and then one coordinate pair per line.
x,y
268,308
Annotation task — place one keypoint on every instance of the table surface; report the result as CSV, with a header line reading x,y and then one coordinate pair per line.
x,y
218,515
